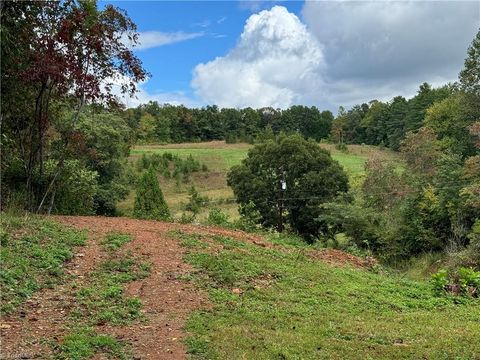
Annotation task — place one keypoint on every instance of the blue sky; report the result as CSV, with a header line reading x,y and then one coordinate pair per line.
x,y
218,24
263,53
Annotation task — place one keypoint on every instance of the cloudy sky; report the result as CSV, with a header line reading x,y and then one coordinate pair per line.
x,y
323,53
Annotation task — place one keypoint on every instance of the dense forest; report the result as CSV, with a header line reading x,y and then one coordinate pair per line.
x,y
375,123
66,138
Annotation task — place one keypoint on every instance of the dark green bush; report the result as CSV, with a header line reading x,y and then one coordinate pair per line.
x,y
196,201
149,200
304,168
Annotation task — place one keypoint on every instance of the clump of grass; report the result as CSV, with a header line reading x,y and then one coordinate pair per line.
x,y
103,300
33,251
115,241
84,342
189,240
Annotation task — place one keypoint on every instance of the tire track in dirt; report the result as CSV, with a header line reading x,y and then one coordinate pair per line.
x,y
43,314
167,300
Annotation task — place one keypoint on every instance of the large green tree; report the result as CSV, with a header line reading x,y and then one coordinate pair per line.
x,y
57,53
309,173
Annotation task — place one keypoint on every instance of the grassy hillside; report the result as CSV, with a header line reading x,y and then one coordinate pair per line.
x,y
220,157
33,251
280,303
268,298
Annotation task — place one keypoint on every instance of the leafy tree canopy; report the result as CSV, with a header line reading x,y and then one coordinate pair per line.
x,y
311,176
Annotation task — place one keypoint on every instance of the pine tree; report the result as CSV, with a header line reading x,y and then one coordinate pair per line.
x,y
470,75
149,200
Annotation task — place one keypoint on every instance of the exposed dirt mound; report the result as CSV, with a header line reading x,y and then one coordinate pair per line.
x,y
338,257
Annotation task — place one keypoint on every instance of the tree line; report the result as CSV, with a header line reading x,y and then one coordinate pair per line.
x,y
154,123
376,123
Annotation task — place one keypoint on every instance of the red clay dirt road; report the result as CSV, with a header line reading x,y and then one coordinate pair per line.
x,y
167,300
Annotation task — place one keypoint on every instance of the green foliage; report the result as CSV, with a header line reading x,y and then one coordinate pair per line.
x,y
114,241
341,147
196,202
33,251
163,164
469,281
429,203
44,94
218,217
75,191
449,121
106,145
250,217
231,139
187,218
440,282
149,201
470,75
463,281
311,176
359,224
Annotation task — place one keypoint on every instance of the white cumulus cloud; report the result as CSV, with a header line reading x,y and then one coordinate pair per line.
x,y
343,53
276,62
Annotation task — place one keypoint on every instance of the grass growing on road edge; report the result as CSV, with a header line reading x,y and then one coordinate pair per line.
x,y
115,241
272,304
84,343
101,301
33,251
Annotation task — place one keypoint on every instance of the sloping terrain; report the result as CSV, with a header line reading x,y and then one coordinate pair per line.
x,y
217,293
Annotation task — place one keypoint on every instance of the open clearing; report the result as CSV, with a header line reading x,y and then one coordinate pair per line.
x,y
216,293
219,158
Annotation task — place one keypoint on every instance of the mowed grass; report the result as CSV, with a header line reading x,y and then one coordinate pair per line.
x,y
220,157
277,304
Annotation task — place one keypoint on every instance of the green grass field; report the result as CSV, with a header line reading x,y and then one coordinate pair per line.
x,y
219,158
282,304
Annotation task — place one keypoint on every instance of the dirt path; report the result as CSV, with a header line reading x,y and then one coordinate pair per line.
x,y
166,299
